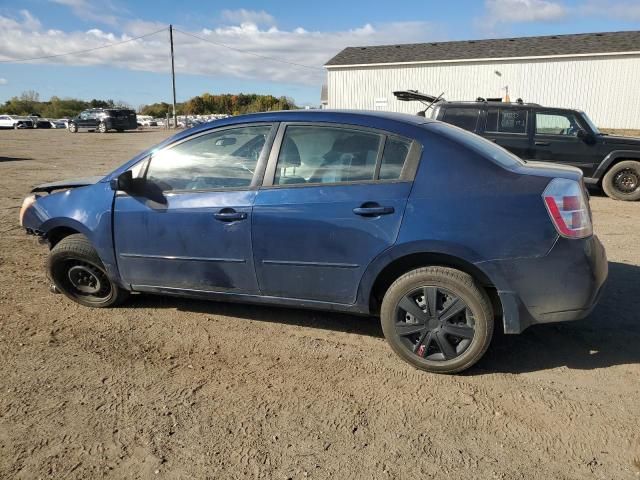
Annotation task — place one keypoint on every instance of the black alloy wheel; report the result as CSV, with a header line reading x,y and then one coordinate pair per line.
x,y
435,324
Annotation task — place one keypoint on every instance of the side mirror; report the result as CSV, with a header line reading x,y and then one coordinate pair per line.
x,y
585,136
126,183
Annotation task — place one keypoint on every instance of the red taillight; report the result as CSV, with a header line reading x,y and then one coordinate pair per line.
x,y
568,208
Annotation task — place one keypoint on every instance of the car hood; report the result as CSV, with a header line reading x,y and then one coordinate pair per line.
x,y
65,184
618,140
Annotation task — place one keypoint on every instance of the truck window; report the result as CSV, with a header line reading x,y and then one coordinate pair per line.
x,y
506,120
466,118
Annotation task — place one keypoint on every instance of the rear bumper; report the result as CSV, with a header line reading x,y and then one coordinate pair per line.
x,y
561,286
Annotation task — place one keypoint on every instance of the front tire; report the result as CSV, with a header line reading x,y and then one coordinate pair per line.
x,y
73,128
622,181
437,319
102,127
76,270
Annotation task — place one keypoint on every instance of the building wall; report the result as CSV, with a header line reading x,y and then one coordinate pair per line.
x,y
607,88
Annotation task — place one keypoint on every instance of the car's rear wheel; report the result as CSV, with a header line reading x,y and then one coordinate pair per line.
x,y
73,128
622,181
437,319
102,127
76,270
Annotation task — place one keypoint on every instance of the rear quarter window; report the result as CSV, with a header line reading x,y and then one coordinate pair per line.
x,y
466,118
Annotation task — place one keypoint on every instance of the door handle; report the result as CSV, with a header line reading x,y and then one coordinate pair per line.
x,y
229,215
542,144
373,210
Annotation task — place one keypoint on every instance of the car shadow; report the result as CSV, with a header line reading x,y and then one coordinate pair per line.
x,y
609,336
14,159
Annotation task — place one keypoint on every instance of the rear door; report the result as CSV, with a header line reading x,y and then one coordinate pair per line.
x,y
332,200
556,140
191,227
509,127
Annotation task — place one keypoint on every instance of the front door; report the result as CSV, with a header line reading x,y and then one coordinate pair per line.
x,y
333,200
190,229
556,140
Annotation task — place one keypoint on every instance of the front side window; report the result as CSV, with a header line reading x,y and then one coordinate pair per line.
x,y
506,120
222,159
314,154
466,118
557,124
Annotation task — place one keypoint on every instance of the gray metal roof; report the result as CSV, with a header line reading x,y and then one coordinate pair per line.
x,y
583,43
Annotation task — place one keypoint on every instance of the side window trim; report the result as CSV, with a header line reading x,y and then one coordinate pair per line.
x,y
407,174
260,165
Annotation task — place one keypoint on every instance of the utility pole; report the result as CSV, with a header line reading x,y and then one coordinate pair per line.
x,y
173,78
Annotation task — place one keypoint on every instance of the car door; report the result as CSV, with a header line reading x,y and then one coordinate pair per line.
x,y
509,127
189,227
556,140
332,200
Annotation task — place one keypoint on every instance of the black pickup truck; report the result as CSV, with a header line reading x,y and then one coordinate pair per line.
x,y
535,132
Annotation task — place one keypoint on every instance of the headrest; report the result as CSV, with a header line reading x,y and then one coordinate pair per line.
x,y
289,154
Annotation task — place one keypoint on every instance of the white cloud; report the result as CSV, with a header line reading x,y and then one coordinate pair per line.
x,y
242,15
103,11
3,81
624,10
520,11
19,40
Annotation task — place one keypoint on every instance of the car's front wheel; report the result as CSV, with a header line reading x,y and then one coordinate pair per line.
x,y
102,127
76,270
622,181
73,128
437,319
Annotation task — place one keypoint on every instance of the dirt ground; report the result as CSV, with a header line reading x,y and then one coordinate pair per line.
x,y
170,388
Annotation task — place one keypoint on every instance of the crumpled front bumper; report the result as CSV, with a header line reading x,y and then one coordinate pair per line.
x,y
563,285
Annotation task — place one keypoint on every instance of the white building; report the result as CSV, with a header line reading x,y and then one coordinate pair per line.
x,y
595,72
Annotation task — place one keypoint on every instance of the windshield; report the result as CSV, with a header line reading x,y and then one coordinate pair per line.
x,y
592,125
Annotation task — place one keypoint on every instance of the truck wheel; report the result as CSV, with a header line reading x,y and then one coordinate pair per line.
x,y
622,181
76,270
73,128
102,127
437,319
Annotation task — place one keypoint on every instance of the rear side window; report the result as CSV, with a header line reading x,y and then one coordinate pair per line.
x,y
314,154
506,120
466,118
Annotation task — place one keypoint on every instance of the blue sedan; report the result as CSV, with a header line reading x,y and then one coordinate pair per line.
x,y
441,233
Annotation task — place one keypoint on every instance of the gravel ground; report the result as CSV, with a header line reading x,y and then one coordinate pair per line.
x,y
170,388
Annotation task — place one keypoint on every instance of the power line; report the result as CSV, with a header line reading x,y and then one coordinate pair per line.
x,y
16,60
224,45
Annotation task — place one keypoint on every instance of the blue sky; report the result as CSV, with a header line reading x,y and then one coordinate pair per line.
x,y
307,33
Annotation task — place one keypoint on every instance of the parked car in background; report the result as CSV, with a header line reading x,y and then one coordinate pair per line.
x,y
39,122
359,212
60,123
147,121
559,135
104,119
13,121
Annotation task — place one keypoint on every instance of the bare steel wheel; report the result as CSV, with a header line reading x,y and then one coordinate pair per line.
x,y
76,270
437,319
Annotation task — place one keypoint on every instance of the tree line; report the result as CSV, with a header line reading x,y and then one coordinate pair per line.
x,y
29,103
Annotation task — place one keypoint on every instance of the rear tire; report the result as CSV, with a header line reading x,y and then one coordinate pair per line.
x,y
622,181
436,339
75,269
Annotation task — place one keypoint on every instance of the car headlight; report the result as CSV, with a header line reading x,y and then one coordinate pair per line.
x,y
27,202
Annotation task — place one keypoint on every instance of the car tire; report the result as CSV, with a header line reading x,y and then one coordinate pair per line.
x,y
440,343
622,181
73,128
76,270
102,128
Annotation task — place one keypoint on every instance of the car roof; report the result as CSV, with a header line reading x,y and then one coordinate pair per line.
x,y
490,103
326,115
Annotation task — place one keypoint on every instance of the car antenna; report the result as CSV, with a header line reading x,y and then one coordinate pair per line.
x,y
423,113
